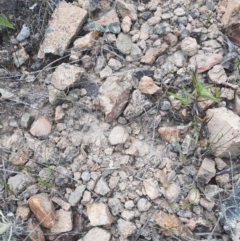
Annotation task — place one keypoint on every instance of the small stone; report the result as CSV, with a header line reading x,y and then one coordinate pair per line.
x,y
150,56
66,76
63,176
126,24
86,198
118,135
114,64
179,12
113,97
137,105
205,62
19,182
126,9
98,234
59,113
64,222
113,181
220,164
148,86
4,58
86,176
26,120
178,59
189,46
227,93
102,187
143,205
217,75
41,127
106,72
76,195
35,231
24,33
115,206
124,43
42,206
172,193
222,179
169,134
128,215
166,105
125,228
99,214
207,171
162,29
23,212
151,188
194,196
207,204
64,205
171,39
86,41
20,57
129,204
144,31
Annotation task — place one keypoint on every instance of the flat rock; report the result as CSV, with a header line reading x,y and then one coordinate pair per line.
x,y
41,127
137,105
76,195
64,222
97,234
113,97
124,43
224,129
207,171
172,193
66,76
126,228
231,15
205,62
67,17
20,57
217,75
151,188
43,209
126,9
118,135
148,86
99,214
115,206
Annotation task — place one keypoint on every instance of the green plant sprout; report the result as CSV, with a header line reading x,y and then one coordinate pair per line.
x,y
5,23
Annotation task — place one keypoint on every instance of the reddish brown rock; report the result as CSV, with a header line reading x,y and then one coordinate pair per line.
x,y
42,207
205,62
86,41
169,134
66,22
150,56
106,19
41,127
114,95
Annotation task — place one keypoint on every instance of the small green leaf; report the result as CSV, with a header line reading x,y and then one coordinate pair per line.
x,y
5,23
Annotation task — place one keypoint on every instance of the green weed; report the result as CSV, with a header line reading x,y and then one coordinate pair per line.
x,y
5,23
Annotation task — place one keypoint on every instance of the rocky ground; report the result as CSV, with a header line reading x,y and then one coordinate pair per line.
x,y
104,133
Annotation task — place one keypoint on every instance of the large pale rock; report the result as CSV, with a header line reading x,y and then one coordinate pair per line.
x,y
41,127
151,188
114,95
42,206
66,22
99,214
124,43
205,62
224,129
231,15
66,76
98,234
118,135
126,9
64,222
